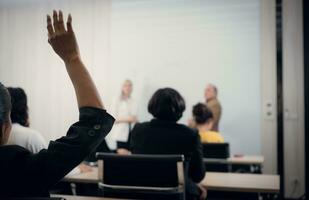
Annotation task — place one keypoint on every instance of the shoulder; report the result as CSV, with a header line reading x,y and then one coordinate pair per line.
x,y
11,151
141,126
187,132
37,139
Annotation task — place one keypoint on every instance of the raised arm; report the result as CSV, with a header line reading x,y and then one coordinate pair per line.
x,y
42,170
65,45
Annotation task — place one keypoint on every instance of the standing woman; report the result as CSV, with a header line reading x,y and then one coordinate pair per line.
x,y
124,109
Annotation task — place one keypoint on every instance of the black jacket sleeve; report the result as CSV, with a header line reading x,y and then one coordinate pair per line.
x,y
50,165
196,166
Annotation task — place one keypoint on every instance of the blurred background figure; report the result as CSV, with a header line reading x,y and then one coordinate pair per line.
x,y
212,102
21,133
124,110
203,119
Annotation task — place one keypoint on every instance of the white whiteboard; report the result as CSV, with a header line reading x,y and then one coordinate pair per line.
x,y
187,44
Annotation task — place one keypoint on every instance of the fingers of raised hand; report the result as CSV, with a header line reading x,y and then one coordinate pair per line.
x,y
50,28
55,19
61,23
57,27
69,24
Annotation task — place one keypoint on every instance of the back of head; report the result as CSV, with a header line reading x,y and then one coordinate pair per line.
x,y
19,112
201,113
5,107
166,104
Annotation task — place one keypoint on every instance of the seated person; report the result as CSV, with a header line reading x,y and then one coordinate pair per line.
x,y
24,136
21,134
24,174
163,135
203,120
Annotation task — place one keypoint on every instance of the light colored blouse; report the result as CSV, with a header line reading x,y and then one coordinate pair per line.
x,y
121,108
26,137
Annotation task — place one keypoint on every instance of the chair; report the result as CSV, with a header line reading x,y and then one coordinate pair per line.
x,y
141,176
215,155
216,150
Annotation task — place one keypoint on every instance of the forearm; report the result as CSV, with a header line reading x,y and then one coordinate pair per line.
x,y
85,90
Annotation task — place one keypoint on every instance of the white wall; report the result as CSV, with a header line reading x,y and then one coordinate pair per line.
x,y
159,43
187,44
27,60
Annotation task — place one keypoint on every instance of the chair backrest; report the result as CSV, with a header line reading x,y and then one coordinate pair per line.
x,y
216,150
160,173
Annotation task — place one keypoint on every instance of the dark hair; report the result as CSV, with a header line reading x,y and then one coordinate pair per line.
x,y
5,105
201,113
19,112
166,104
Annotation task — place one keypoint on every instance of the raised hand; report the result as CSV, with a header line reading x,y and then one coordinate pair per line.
x,y
65,45
63,41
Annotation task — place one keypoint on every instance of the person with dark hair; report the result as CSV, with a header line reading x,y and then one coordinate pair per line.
x,y
24,174
203,119
163,135
5,110
21,134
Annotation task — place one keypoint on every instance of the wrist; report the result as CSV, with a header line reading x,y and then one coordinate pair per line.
x,y
72,59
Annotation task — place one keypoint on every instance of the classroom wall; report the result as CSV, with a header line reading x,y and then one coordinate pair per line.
x,y
293,91
180,44
27,60
187,44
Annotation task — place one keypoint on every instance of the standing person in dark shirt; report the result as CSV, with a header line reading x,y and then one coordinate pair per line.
x,y
163,135
24,174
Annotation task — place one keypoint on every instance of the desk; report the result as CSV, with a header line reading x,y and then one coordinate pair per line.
x,y
254,162
87,177
244,160
70,197
235,182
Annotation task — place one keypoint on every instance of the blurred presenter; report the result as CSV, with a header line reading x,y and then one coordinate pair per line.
x,y
124,109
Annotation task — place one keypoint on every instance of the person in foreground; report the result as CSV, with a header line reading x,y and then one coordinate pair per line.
x,y
203,119
24,174
163,135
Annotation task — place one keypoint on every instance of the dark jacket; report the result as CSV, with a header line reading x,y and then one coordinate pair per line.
x,y
163,137
26,174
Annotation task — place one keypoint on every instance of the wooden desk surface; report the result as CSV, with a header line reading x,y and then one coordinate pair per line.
x,y
259,160
70,197
235,182
87,177
258,183
244,160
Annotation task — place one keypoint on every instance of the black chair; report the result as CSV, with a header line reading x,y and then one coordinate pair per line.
x,y
141,176
215,157
216,150
35,198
